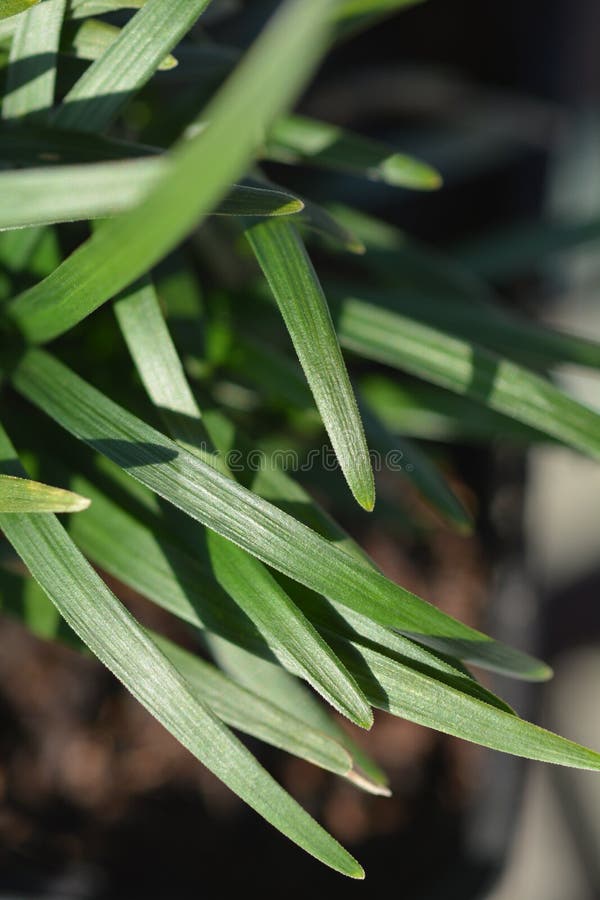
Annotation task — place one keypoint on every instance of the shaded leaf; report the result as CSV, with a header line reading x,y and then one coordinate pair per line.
x,y
300,139
125,248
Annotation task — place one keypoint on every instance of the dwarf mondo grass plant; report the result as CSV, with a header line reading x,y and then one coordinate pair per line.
x,y
144,257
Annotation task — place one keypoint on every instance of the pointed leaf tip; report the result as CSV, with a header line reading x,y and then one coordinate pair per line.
x,y
399,170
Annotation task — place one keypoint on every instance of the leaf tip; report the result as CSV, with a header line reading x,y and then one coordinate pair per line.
x,y
356,246
403,171
169,62
366,498
367,784
360,873
79,503
295,205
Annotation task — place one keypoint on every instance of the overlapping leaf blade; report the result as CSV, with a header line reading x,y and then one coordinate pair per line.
x,y
67,193
127,63
242,517
275,376
407,680
125,648
463,367
81,8
92,38
124,249
253,587
237,704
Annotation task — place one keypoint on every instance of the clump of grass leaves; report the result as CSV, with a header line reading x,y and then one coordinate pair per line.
x,y
274,591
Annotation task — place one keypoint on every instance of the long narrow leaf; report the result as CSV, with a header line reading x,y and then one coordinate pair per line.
x,y
242,517
408,681
20,495
252,586
122,250
125,648
301,301
128,63
438,290
275,375
33,144
347,9
285,691
300,139
251,713
92,38
235,704
467,369
67,193
31,73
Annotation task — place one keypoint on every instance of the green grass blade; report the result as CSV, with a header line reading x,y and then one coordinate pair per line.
x,y
235,704
285,691
79,9
406,680
33,144
20,495
462,716
356,15
440,291
490,326
465,368
123,646
163,564
92,38
250,712
172,576
31,76
293,639
242,517
69,193
423,411
296,139
122,250
315,218
274,375
286,630
127,63
295,285
13,7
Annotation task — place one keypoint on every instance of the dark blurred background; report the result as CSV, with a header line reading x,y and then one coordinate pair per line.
x,y
97,801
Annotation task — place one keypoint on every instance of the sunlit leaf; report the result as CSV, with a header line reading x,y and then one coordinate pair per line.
x,y
22,495
297,290
125,648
